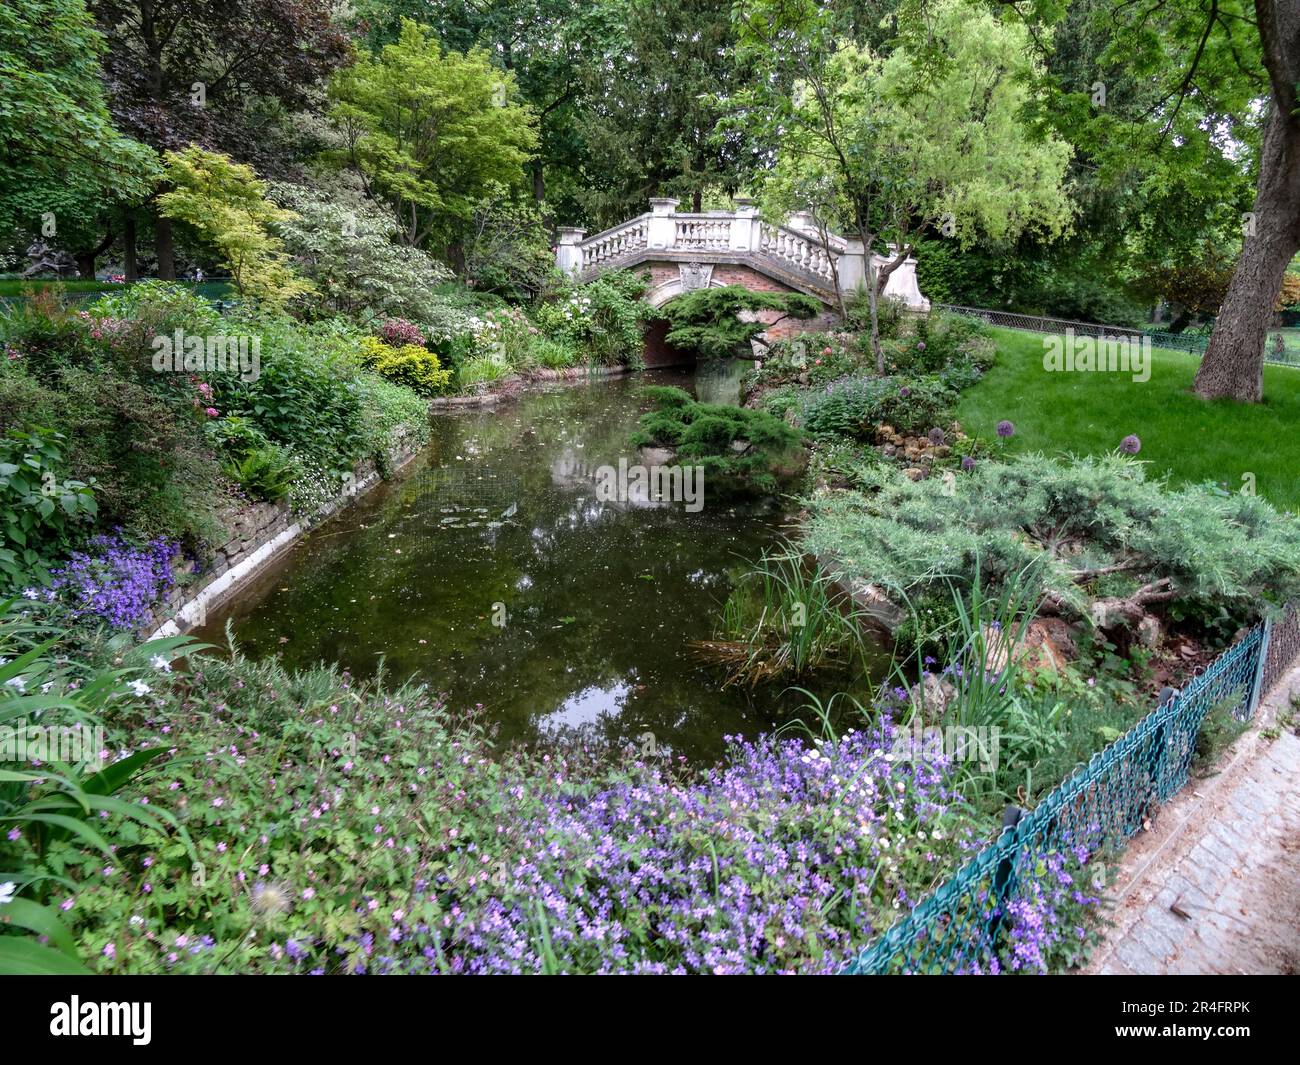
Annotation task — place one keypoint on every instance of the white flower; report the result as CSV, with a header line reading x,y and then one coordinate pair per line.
x,y
139,687
30,593
7,892
18,683
161,664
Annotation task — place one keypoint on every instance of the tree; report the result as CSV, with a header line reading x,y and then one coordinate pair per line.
x,y
213,72
708,320
1233,366
660,81
1221,78
429,132
346,249
929,139
225,205
546,44
61,158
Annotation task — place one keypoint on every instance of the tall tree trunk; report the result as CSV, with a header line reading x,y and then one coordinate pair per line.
x,y
163,247
130,267
539,183
697,200
86,259
1233,366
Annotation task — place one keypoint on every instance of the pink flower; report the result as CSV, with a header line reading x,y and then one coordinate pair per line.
x,y
211,412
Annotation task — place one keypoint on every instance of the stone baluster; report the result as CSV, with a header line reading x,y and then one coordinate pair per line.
x,y
569,256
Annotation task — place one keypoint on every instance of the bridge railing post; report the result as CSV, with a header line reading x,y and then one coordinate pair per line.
x,y
744,226
568,250
852,266
660,230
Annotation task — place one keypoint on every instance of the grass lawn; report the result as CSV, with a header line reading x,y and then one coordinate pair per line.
x,y
12,287
1184,438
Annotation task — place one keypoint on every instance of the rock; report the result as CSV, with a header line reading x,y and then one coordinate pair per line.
x,y
1150,631
933,694
1048,643
914,473
877,606
657,456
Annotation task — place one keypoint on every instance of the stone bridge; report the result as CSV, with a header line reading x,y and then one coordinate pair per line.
x,y
684,251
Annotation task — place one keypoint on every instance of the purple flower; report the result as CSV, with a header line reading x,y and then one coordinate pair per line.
x,y
1130,445
967,463
936,437
1006,429
117,581
920,345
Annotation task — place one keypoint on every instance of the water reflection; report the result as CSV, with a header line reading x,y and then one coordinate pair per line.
x,y
491,569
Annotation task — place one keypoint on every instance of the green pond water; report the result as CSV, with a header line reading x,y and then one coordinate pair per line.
x,y
488,568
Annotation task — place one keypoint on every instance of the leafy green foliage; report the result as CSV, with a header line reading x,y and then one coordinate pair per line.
x,y
747,449
265,473
409,364
602,320
344,244
61,151
41,511
430,132
57,813
784,619
707,320
225,205
1077,522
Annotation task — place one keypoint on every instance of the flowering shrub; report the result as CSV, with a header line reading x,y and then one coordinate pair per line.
x,y
353,829
508,334
398,332
116,580
601,319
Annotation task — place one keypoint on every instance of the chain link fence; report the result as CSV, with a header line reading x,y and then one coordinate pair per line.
x,y
1282,347
965,926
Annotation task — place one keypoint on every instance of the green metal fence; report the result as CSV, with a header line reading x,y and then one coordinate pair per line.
x,y
961,927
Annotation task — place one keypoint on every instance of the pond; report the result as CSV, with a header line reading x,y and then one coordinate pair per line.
x,y
489,568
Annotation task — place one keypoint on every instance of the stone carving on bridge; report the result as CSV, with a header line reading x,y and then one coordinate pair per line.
x,y
695,275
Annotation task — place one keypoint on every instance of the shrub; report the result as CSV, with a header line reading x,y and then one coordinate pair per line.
x,y
40,512
398,333
602,319
345,245
721,322
748,449
411,365
1084,521
305,395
